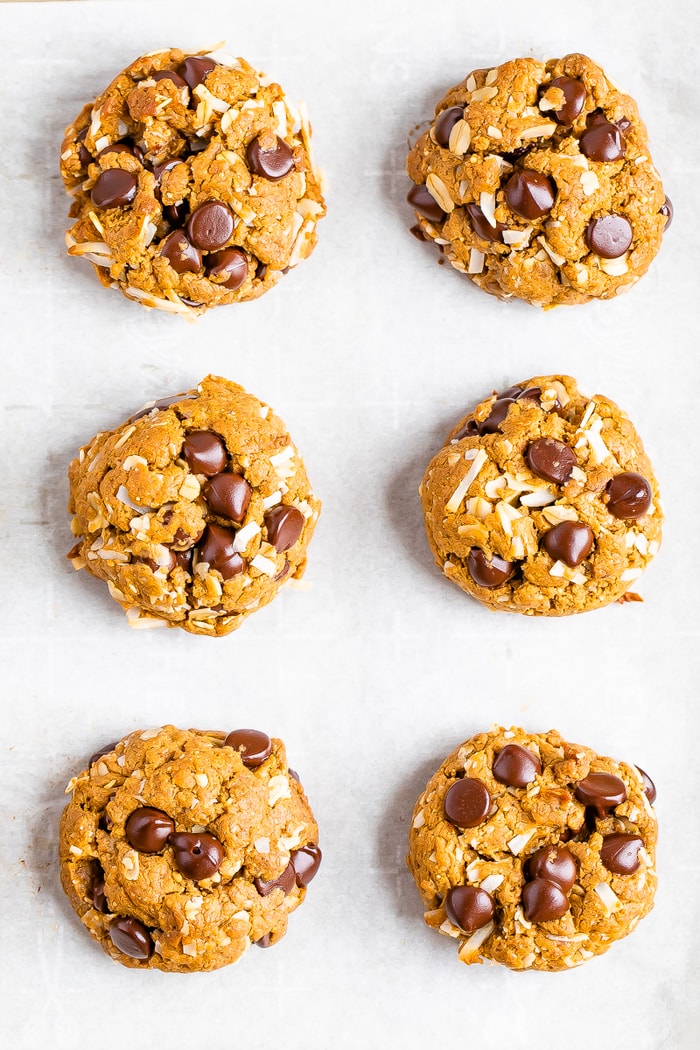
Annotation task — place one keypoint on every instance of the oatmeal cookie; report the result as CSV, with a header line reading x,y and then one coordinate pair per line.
x,y
181,848
536,181
533,852
193,182
543,501
195,511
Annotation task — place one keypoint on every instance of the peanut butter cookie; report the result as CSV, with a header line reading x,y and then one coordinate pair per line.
x,y
193,182
533,852
195,511
180,848
543,501
536,181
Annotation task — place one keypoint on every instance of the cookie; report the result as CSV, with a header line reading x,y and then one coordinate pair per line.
x,y
193,182
536,181
543,501
533,852
195,511
181,848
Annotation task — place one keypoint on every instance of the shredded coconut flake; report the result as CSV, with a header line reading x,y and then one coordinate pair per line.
x,y
460,492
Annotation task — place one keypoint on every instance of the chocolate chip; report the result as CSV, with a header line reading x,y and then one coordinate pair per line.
x,y
99,901
254,746
84,156
609,236
555,864
122,147
574,93
620,853
271,163
161,404
516,766
197,855
467,803
182,256
602,141
216,548
629,495
131,937
182,541
284,526
488,572
425,204
497,415
103,751
210,226
176,213
667,210
481,225
168,74
159,170
184,559
530,194
168,565
543,901
204,452
550,459
285,882
649,786
469,907
260,270
264,942
228,495
445,122
601,791
147,829
228,268
569,541
193,70
306,862
114,188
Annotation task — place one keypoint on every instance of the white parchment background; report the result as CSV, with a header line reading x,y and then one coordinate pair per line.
x,y
369,351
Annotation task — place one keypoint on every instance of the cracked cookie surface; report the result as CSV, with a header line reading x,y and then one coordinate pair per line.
x,y
543,501
193,182
534,852
195,511
181,848
536,181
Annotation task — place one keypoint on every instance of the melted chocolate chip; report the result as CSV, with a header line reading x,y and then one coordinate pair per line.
x,y
569,541
306,862
254,746
204,452
425,204
160,405
228,495
210,226
182,256
264,942
530,194
551,460
602,141
195,69
147,829
629,496
197,855
620,853
122,147
114,188
168,74
216,548
184,559
467,803
284,526
574,93
270,163
159,170
285,882
482,227
228,268
445,123
667,210
497,415
103,751
543,901
84,156
469,907
601,791
649,786
555,864
99,901
516,766
488,572
131,938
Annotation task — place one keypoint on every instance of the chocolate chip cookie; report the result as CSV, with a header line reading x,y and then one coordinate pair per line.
x,y
536,181
181,848
543,501
193,182
533,852
195,511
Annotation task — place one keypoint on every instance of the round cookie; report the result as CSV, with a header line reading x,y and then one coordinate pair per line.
x,y
181,848
193,182
534,852
536,181
195,511
543,501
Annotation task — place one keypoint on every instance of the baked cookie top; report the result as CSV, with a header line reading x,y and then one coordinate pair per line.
x,y
193,182
536,181
534,852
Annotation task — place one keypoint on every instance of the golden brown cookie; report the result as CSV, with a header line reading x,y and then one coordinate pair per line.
x,y
536,181
193,182
534,852
195,511
543,501
181,848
